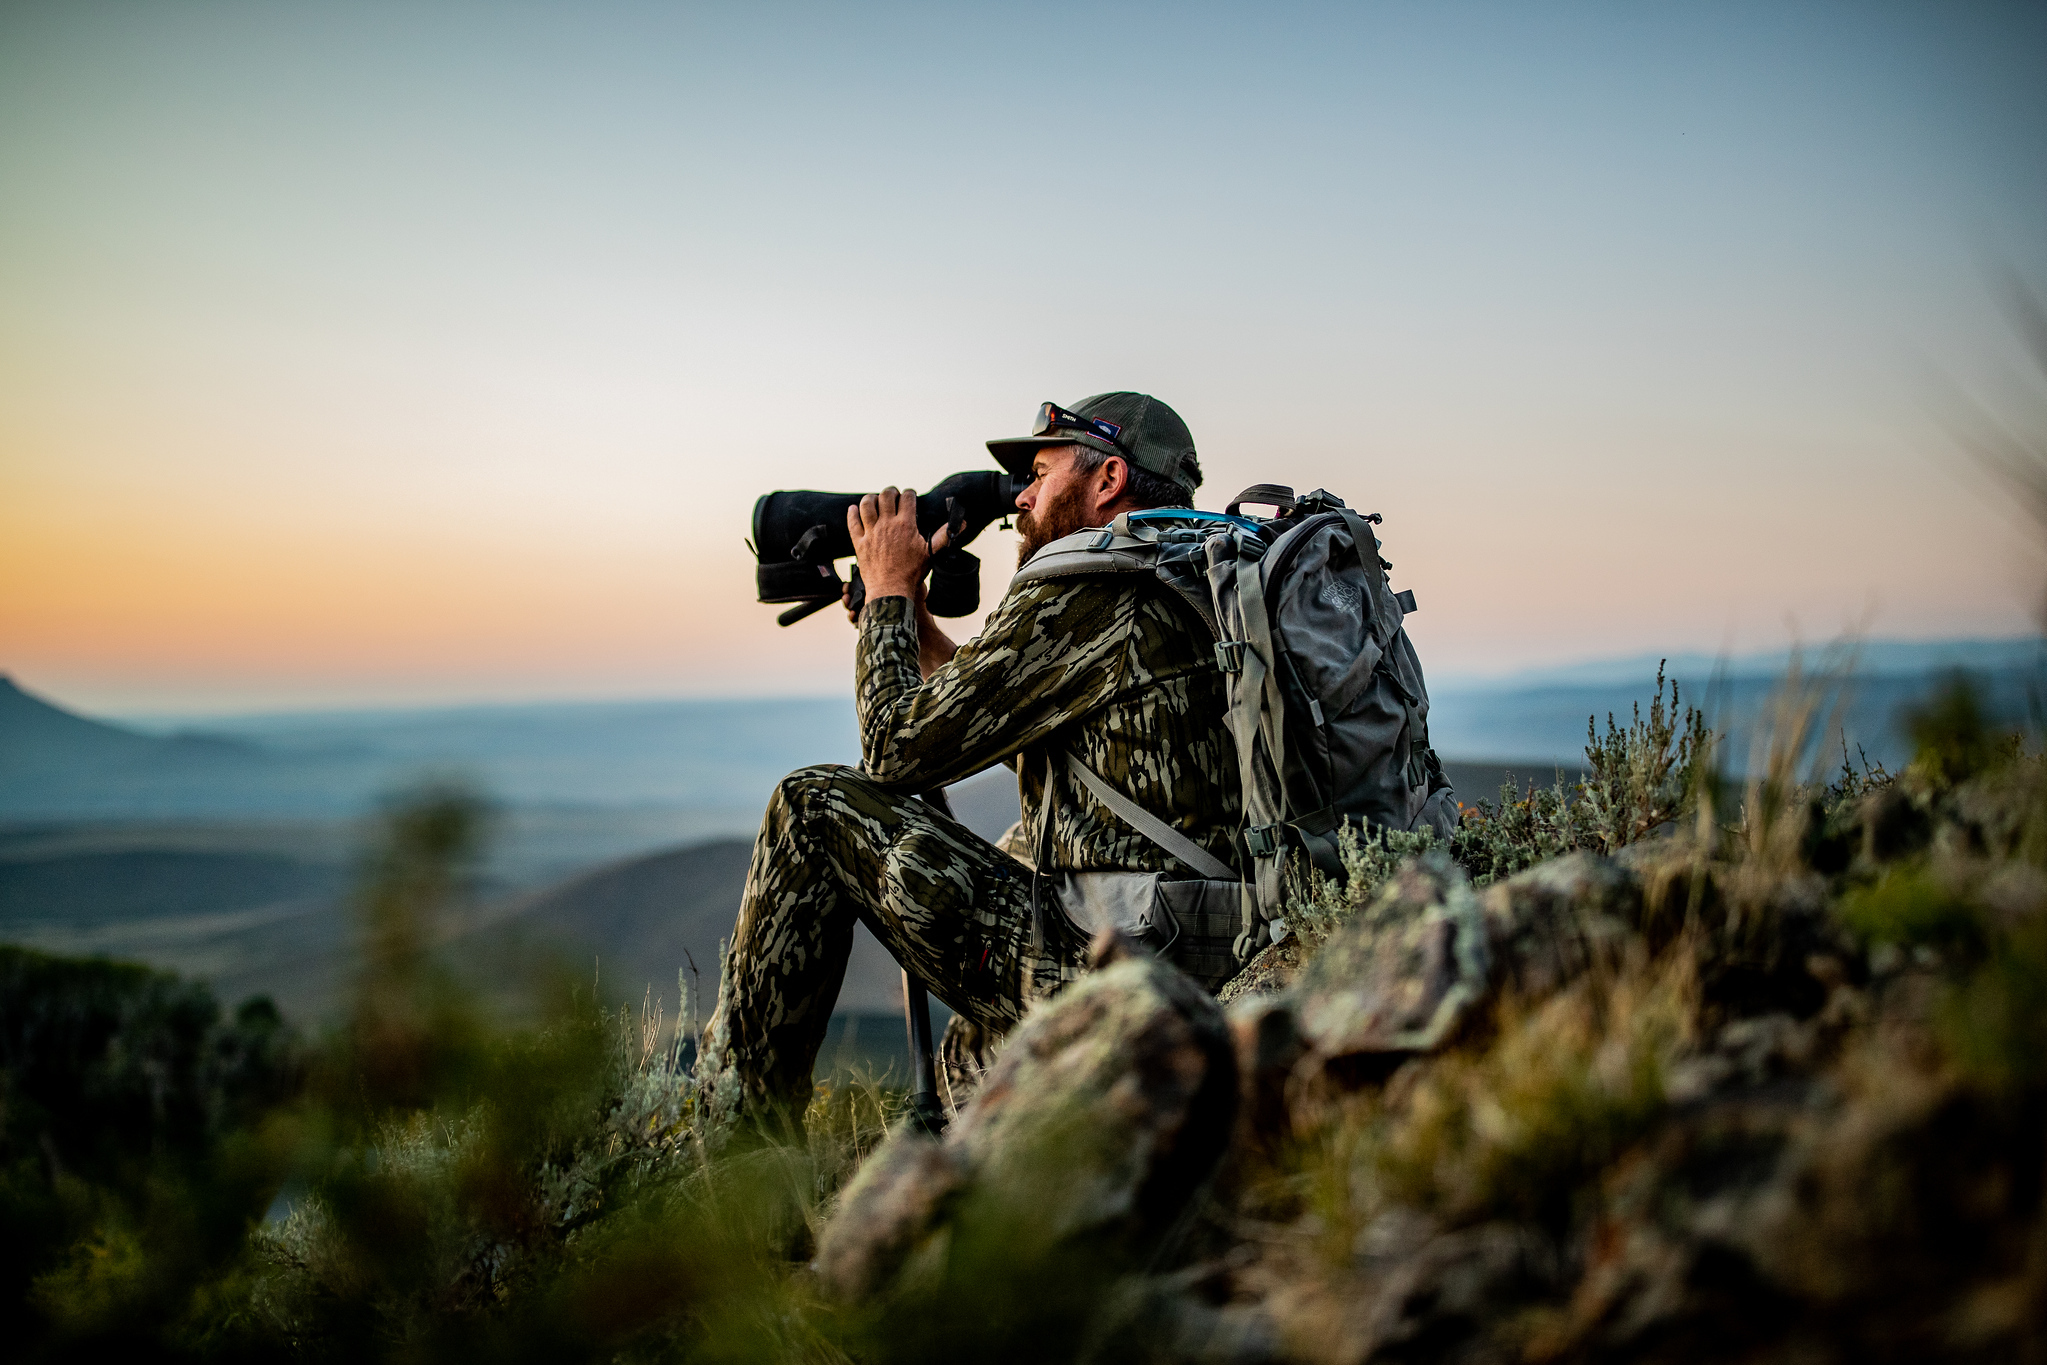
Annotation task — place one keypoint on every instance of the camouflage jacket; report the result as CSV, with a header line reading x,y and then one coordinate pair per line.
x,y
1109,668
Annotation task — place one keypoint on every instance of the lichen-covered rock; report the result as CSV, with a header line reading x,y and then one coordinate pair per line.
x,y
1769,1091
1400,975
1107,1109
900,1195
1269,972
1556,920
1450,1299
1269,1045
1880,1213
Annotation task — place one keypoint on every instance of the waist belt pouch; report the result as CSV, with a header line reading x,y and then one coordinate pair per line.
x,y
1191,923
1126,901
1209,915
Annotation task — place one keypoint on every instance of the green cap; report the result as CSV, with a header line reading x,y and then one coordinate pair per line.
x,y
1153,438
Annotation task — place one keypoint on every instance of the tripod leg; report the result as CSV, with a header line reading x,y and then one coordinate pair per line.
x,y
926,1110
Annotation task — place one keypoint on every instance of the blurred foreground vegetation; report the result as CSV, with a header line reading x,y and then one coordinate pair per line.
x,y
430,1182
424,1182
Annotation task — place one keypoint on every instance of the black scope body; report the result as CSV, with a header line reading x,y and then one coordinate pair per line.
x,y
797,536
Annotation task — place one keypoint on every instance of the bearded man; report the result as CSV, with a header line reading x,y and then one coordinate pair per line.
x,y
1110,669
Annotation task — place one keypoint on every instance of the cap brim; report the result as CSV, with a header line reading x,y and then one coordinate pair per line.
x,y
1014,453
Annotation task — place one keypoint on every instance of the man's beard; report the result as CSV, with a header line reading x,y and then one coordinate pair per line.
x,y
1059,517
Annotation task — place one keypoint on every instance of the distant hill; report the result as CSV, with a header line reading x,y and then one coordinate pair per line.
x,y
262,923
94,889
645,919
622,831
54,763
709,765
1868,658
246,922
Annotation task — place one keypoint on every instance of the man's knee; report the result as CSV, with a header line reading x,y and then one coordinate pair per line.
x,y
796,796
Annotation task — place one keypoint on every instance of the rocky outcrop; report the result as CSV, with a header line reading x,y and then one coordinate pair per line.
x,y
1403,973
1558,920
1748,1099
1105,1112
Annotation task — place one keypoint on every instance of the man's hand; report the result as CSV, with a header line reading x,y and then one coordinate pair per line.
x,y
891,551
886,541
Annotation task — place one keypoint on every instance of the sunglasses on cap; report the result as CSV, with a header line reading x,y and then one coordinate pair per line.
x,y
1052,417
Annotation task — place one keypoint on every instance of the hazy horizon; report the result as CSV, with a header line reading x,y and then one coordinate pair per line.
x,y
1628,668
388,356
1632,672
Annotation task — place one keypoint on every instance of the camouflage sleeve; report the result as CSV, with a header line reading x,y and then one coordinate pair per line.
x,y
1051,652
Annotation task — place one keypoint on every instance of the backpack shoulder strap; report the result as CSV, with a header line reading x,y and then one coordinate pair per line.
x,y
1150,826
1097,550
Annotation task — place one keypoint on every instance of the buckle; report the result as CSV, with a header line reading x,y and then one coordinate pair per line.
x,y
1103,541
1229,655
1263,840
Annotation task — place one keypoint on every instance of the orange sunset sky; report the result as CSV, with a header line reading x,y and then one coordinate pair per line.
x,y
389,354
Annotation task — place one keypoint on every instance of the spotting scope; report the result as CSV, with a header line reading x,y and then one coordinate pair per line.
x,y
799,535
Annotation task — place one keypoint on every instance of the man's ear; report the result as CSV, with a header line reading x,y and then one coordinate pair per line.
x,y
1112,480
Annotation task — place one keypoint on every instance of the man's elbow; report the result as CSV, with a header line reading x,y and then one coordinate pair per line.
x,y
899,775
888,766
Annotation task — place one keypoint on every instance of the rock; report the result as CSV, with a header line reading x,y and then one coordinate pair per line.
x,y
1109,1107
1400,975
1676,883
901,1192
1553,922
1268,1044
1174,1318
1271,970
1450,1300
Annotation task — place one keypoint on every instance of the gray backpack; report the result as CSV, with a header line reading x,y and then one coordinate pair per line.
x,y
1327,703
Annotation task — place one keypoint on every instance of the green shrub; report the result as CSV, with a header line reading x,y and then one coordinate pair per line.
x,y
133,1145
1645,776
1911,907
1638,781
441,1183
1317,903
1952,735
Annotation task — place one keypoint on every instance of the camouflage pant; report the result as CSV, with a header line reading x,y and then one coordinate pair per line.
x,y
835,848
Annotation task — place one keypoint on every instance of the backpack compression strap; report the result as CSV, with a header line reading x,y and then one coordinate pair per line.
x,y
1257,721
